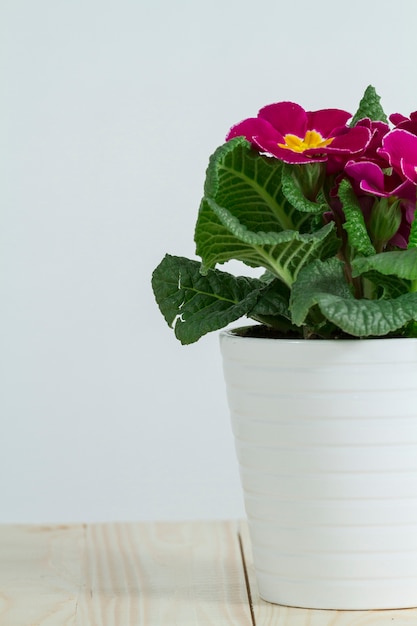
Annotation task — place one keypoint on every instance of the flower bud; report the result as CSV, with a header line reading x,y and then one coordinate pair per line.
x,y
385,220
310,178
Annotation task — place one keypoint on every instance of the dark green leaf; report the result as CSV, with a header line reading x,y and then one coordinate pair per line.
x,y
194,304
412,240
370,106
292,191
248,187
322,284
369,318
223,237
248,184
355,227
274,300
319,277
272,307
400,263
244,215
387,287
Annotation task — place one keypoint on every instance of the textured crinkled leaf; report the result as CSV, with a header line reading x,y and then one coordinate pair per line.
x,y
267,277
248,185
292,191
412,240
274,300
400,263
243,233
272,308
323,285
387,286
370,106
369,318
245,216
354,225
216,244
194,304
316,278
283,253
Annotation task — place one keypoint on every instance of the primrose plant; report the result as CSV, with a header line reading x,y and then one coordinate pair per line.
x,y
325,204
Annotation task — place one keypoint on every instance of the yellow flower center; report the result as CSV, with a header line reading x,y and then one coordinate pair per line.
x,y
312,139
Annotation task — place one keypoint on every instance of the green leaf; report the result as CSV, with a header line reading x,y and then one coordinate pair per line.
x,y
293,192
370,106
283,253
267,277
317,278
274,300
412,240
323,285
245,216
194,304
248,184
369,318
355,227
272,307
387,286
400,263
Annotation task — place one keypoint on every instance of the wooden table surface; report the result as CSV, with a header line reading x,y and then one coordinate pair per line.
x,y
147,574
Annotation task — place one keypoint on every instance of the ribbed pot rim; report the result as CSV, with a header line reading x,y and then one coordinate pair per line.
x,y
233,333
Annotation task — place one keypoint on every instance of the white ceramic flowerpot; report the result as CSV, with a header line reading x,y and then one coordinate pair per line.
x,y
326,437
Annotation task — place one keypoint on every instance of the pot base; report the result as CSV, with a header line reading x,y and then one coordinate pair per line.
x,y
326,439
352,596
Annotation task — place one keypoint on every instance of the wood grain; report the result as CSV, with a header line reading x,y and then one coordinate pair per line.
x,y
40,574
164,574
266,614
122,575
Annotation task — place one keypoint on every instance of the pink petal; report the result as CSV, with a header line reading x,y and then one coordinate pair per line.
x,y
254,127
409,170
286,117
288,156
352,141
372,180
398,144
325,121
397,118
399,147
369,176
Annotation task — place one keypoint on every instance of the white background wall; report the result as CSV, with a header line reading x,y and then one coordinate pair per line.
x,y
109,112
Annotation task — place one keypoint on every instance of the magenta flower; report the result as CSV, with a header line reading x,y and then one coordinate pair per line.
x,y
399,148
398,118
371,179
405,123
378,131
288,132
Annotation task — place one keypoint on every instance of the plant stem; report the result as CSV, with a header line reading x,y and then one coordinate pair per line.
x,y
369,290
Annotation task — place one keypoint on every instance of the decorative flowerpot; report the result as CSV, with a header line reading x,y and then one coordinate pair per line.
x,y
326,438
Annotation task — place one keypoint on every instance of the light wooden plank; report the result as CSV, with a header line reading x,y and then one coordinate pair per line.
x,y
164,574
40,574
267,614
122,575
